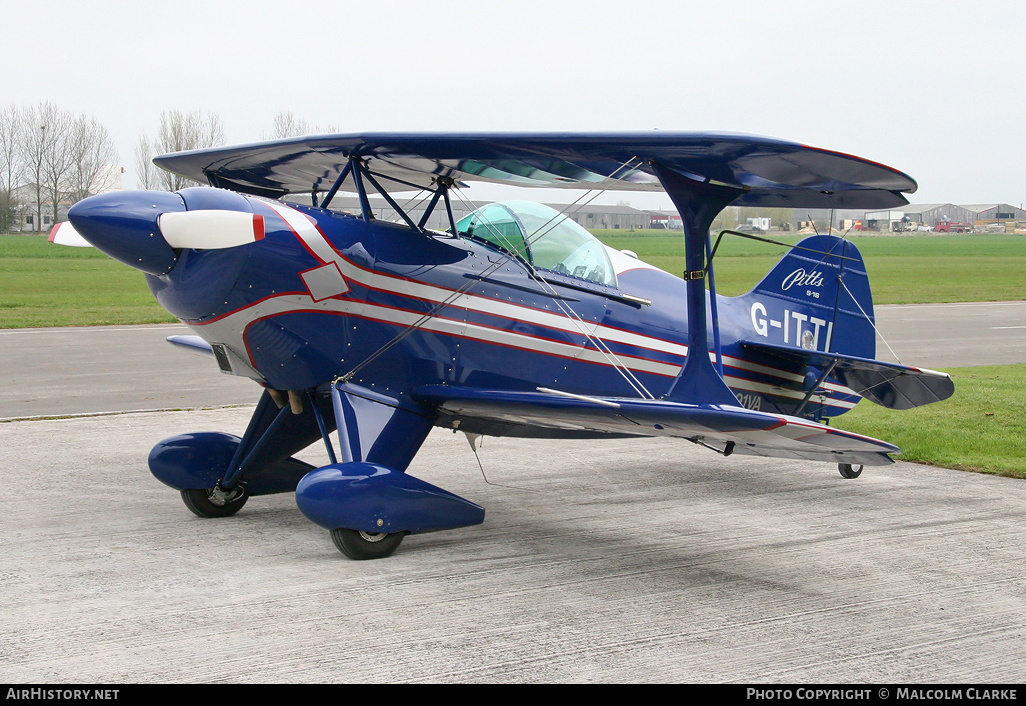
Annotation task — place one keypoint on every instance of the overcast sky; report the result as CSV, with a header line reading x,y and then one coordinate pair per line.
x,y
935,89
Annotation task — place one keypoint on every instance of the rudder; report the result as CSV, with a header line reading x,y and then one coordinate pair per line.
x,y
816,298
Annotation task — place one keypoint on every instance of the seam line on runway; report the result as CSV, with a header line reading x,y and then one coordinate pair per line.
x,y
92,329
82,415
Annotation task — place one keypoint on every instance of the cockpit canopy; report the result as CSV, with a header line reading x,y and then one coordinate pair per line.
x,y
542,237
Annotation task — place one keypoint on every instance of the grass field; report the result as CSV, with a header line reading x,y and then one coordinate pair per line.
x,y
981,428
48,285
902,269
51,285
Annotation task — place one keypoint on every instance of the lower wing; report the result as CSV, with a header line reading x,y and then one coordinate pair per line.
x,y
725,429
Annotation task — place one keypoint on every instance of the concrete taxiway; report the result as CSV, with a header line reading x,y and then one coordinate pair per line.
x,y
622,561
618,561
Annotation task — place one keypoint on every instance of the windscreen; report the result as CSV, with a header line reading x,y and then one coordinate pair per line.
x,y
543,237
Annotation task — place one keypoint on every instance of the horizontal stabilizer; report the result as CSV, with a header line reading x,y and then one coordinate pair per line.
x,y
887,384
723,428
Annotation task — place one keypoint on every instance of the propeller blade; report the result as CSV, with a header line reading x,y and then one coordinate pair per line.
x,y
65,234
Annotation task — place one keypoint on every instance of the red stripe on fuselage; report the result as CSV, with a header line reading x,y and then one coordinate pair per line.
x,y
443,288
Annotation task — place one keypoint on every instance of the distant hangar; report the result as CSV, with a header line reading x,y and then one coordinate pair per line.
x,y
930,214
626,217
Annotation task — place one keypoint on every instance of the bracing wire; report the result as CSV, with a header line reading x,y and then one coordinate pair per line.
x,y
853,298
600,345
870,320
567,310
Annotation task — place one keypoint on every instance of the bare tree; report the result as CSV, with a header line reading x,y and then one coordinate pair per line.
x,y
62,157
186,131
10,164
58,157
39,134
145,170
726,220
92,154
10,139
288,125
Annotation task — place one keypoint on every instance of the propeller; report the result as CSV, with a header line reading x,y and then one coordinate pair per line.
x,y
147,229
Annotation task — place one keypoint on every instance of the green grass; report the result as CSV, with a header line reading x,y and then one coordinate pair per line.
x,y
51,285
981,428
48,285
902,269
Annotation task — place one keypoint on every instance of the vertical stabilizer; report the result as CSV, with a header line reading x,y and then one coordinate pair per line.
x,y
816,298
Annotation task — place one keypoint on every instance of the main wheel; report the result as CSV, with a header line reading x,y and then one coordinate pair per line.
x,y
215,502
366,545
849,471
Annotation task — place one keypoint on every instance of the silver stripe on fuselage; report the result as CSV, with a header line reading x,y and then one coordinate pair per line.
x,y
232,326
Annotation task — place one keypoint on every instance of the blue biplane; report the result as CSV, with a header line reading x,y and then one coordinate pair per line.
x,y
514,321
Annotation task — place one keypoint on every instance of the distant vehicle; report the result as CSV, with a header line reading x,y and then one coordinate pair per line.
x,y
748,228
911,227
952,227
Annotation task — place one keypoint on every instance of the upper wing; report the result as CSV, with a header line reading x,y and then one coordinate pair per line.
x,y
887,384
771,172
724,428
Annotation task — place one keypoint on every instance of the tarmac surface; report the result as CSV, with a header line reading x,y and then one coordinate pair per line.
x,y
620,561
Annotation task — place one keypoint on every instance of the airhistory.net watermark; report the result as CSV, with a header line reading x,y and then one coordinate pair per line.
x,y
48,694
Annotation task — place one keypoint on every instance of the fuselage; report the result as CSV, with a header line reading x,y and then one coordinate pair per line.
x,y
327,294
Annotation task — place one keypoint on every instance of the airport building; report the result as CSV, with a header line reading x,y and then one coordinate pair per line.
x,y
947,217
32,208
930,213
993,212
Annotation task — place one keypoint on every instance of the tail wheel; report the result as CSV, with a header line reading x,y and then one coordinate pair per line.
x,y
215,502
849,471
366,545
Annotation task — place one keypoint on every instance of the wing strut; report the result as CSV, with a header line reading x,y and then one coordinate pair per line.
x,y
338,182
362,175
698,202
